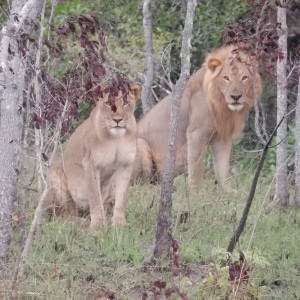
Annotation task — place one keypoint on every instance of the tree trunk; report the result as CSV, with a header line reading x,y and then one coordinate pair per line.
x,y
164,221
281,194
147,98
12,78
297,154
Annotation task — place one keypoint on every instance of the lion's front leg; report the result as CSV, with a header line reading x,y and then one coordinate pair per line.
x,y
122,180
96,205
196,145
143,161
221,156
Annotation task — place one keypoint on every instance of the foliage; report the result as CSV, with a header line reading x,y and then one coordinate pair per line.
x,y
212,18
4,12
80,79
247,161
122,23
271,159
122,50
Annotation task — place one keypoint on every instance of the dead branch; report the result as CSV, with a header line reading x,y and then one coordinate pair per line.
x,y
242,223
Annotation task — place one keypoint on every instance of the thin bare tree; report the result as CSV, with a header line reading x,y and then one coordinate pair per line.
x,y
23,16
164,221
260,122
147,98
281,193
297,154
235,238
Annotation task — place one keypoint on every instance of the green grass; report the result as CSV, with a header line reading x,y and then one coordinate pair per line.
x,y
67,262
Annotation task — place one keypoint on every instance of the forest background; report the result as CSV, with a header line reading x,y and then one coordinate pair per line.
x,y
65,263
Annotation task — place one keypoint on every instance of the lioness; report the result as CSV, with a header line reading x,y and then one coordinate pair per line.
x,y
97,163
213,109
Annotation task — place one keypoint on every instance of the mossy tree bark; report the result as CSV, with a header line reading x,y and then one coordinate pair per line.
x,y
13,50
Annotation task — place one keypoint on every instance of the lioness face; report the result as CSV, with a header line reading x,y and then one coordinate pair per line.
x,y
118,110
235,83
116,116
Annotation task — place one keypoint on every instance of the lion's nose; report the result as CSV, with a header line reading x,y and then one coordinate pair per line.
x,y
236,97
117,121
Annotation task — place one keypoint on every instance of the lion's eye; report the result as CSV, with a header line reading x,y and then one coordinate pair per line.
x,y
244,78
226,78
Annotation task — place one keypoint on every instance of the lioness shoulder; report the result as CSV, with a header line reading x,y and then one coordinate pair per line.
x,y
96,166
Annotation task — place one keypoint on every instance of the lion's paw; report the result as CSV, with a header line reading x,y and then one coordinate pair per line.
x,y
97,224
229,190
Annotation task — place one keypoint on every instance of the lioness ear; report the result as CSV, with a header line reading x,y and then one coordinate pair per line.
x,y
101,91
135,91
213,63
101,88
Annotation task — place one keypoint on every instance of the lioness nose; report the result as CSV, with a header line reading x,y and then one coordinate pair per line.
x,y
236,97
117,120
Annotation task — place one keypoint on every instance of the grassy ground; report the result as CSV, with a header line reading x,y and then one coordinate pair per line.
x,y
66,262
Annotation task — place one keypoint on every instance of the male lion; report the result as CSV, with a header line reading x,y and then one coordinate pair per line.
x,y
213,109
97,164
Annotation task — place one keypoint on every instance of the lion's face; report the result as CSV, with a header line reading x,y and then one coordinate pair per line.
x,y
117,111
234,82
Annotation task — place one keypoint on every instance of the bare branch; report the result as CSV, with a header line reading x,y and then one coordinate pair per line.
x,y
297,154
39,210
242,223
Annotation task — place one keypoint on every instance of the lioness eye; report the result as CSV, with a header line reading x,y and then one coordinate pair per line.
x,y
244,78
226,78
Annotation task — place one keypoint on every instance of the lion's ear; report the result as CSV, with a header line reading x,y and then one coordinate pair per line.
x,y
135,91
213,63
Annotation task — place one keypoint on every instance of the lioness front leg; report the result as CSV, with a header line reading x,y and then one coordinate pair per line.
x,y
92,176
196,145
122,180
221,156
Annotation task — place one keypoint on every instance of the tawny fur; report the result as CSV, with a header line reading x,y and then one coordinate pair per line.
x,y
209,116
96,166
